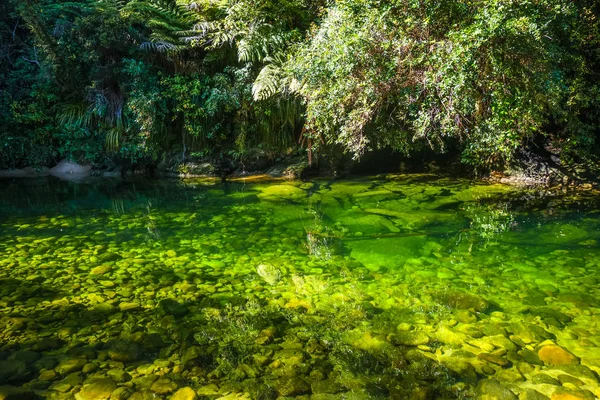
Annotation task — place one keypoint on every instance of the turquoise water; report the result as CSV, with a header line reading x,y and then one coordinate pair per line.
x,y
404,287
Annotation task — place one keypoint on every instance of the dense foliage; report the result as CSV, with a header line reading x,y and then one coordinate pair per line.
x,y
107,81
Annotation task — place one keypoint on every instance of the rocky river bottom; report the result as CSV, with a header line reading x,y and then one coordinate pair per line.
x,y
387,287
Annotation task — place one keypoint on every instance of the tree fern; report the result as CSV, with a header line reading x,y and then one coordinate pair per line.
x,y
165,19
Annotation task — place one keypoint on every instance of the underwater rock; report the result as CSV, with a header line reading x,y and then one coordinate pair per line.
x,y
291,386
153,341
530,357
208,390
125,351
390,252
494,359
531,394
89,368
47,375
530,333
96,389
491,389
569,394
109,256
73,379
556,355
461,368
100,270
26,356
143,395
564,379
326,386
544,379
278,193
186,393
173,307
121,393
462,300
128,306
13,371
144,382
163,386
8,392
409,338
48,344
565,234
448,336
548,313
581,371
118,375
70,365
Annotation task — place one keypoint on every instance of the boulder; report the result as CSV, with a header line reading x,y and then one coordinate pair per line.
x,y
462,300
8,392
13,371
186,393
282,193
96,389
125,351
66,168
491,389
556,355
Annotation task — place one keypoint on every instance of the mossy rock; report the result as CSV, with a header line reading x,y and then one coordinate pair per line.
x,y
462,300
390,252
9,392
96,389
482,192
173,307
13,371
282,193
491,389
125,351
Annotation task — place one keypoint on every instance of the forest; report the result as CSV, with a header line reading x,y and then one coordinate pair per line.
x,y
133,81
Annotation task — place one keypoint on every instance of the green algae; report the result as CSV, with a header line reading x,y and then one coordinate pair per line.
x,y
395,287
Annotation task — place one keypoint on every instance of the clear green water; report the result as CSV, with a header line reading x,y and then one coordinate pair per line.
x,y
408,287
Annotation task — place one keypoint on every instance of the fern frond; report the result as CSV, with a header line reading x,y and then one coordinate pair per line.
x,y
113,137
272,79
75,114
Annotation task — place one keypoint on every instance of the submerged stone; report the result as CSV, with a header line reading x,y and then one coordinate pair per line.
x,y
293,386
70,365
173,307
556,355
494,359
410,338
125,351
186,393
96,389
462,300
8,392
282,193
491,389
531,394
13,371
163,386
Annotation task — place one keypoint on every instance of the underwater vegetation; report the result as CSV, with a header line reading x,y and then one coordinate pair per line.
x,y
402,287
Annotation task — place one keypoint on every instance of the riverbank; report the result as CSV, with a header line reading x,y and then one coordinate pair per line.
x,y
528,169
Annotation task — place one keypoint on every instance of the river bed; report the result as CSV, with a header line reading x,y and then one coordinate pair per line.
x,y
396,286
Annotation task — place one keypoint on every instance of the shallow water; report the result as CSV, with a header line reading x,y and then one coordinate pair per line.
x,y
406,287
